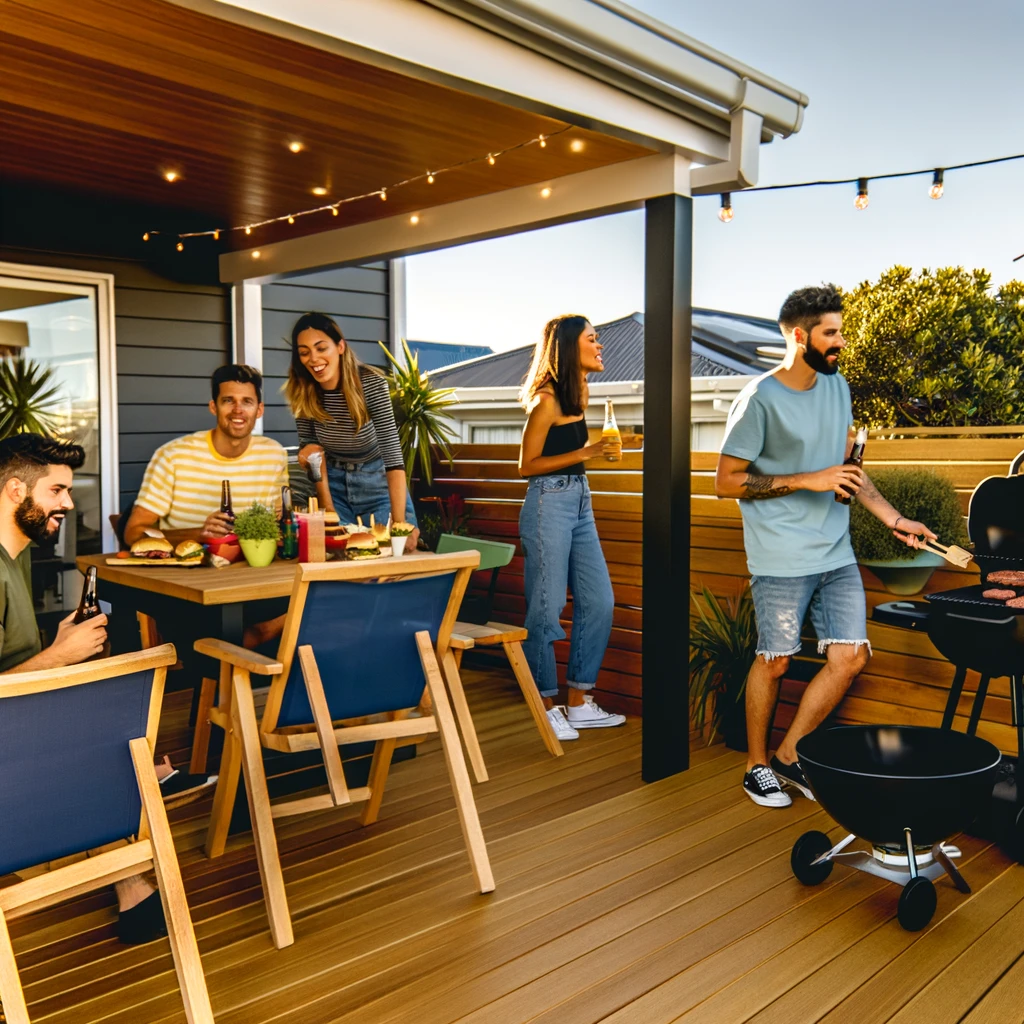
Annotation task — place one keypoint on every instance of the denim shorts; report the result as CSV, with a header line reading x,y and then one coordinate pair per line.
x,y
835,600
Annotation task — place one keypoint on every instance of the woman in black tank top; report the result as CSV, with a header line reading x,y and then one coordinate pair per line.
x,y
557,527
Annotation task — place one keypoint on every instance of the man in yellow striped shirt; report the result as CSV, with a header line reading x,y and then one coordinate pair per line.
x,y
180,493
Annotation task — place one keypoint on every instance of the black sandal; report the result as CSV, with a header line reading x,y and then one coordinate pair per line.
x,y
142,923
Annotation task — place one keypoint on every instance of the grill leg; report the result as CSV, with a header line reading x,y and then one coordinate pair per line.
x,y
979,704
955,690
908,841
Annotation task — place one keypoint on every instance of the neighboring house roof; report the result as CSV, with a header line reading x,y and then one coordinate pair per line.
x,y
724,344
432,355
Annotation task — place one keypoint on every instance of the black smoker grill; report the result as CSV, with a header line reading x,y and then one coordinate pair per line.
x,y
976,633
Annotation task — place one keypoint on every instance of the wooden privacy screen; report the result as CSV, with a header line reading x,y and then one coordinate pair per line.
x,y
487,476
907,680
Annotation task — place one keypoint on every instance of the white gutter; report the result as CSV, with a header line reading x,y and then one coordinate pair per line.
x,y
618,44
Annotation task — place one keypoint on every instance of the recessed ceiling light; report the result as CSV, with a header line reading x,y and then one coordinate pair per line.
x,y
545,193
576,145
319,191
295,146
171,176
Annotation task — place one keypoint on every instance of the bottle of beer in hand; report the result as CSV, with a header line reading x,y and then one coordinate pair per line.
x,y
225,499
610,436
89,607
289,543
856,456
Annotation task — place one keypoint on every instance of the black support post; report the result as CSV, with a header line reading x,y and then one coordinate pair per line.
x,y
666,528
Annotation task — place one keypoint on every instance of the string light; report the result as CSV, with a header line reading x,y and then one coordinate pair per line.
x,y
935,192
255,254
180,246
145,237
414,219
545,193
861,202
172,176
725,213
295,146
428,176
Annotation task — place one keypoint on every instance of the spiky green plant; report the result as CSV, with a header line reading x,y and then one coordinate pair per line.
x,y
420,409
723,645
27,396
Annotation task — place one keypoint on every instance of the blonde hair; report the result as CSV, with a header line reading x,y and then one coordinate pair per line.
x,y
556,362
305,396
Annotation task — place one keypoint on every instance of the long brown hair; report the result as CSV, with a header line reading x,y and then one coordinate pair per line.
x,y
305,395
556,361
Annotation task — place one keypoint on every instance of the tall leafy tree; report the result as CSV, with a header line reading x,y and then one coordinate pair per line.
x,y
938,348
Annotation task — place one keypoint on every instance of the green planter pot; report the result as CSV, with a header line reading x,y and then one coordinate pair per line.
x,y
259,553
905,576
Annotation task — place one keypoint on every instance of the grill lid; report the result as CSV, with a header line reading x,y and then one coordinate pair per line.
x,y
996,517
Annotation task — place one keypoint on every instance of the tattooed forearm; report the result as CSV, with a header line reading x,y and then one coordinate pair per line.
x,y
758,487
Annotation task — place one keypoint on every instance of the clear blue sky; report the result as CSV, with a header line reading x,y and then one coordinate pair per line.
x,y
893,85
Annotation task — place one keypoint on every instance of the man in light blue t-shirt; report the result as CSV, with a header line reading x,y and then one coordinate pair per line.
x,y
787,436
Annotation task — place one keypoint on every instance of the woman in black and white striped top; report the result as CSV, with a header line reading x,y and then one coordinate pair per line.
x,y
343,409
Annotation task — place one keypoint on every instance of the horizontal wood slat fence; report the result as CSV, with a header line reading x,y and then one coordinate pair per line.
x,y
907,680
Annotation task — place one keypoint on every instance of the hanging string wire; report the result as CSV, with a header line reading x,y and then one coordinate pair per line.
x,y
382,192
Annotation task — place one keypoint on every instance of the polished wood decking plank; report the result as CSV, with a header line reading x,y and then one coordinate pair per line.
x,y
616,902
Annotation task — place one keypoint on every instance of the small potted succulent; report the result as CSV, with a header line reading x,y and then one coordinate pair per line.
x,y
918,494
257,531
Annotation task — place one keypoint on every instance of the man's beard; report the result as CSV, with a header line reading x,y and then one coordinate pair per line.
x,y
34,521
819,360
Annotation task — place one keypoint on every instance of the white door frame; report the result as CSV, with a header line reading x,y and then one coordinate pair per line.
x,y
103,289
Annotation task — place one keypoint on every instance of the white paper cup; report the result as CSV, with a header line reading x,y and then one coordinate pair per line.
x,y
398,545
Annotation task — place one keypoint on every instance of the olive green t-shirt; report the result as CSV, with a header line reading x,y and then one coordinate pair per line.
x,y
19,634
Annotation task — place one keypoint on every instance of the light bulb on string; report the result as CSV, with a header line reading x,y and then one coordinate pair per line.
x,y
490,159
861,202
180,246
145,237
383,195
334,211
216,235
414,219
725,213
935,192
430,178
543,142
291,220
248,229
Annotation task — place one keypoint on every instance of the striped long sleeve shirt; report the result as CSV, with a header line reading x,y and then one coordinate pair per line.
x,y
338,436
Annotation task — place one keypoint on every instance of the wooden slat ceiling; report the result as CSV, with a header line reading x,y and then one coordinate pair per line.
x,y
102,96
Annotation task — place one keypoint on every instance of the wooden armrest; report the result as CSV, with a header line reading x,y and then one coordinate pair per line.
x,y
240,657
460,642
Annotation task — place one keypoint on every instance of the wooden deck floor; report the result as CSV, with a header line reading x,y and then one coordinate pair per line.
x,y
615,902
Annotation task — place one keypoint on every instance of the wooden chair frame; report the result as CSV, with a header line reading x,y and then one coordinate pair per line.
x,y
153,848
244,737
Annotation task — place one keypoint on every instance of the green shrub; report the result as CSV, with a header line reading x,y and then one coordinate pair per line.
x,y
916,494
257,522
939,348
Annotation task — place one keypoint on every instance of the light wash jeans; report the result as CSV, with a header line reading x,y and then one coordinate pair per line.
x,y
359,489
560,542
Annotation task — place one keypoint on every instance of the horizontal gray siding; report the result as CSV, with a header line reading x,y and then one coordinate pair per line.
x,y
356,297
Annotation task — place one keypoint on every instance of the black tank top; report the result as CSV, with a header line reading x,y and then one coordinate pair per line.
x,y
566,437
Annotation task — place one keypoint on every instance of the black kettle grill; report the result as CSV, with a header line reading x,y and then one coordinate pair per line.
x,y
985,635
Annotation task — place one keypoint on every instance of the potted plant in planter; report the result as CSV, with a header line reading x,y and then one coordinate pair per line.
x,y
257,531
919,494
723,645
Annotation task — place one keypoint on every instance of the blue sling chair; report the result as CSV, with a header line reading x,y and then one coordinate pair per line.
x,y
361,638
76,774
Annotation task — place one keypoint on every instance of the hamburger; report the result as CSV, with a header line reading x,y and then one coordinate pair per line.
x,y
362,545
152,547
189,552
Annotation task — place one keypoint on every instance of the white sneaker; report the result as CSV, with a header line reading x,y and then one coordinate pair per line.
x,y
590,715
561,728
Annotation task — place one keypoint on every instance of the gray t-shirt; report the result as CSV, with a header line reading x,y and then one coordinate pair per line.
x,y
19,634
781,431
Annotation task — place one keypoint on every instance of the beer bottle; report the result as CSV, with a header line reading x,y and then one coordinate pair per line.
x,y
289,545
610,436
856,456
225,499
89,607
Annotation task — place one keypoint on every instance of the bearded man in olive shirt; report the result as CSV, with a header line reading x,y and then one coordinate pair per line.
x,y
35,495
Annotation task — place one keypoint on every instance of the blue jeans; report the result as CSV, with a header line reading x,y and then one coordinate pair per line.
x,y
359,489
836,602
562,549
